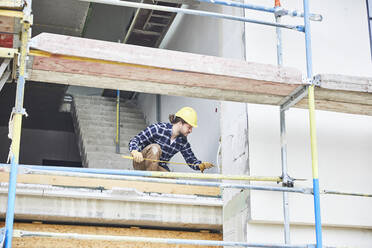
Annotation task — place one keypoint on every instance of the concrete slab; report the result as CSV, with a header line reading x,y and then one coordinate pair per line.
x,y
117,206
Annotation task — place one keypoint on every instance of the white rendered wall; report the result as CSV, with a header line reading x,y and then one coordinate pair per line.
x,y
340,46
340,42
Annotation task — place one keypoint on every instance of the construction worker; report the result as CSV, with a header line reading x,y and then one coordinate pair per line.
x,y
161,141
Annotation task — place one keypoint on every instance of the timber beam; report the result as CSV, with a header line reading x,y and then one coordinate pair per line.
x,y
92,63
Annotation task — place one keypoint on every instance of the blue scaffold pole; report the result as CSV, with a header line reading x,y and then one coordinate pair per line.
x,y
11,204
314,151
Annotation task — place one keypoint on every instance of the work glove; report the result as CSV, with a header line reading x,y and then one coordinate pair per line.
x,y
137,156
205,165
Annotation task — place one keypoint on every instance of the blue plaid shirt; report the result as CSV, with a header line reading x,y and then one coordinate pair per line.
x,y
160,133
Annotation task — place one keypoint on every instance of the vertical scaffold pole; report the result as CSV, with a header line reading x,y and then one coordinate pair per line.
x,y
283,142
117,140
314,151
18,111
279,50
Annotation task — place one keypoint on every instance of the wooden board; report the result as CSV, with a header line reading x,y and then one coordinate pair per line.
x,y
158,75
84,62
345,82
342,107
149,87
109,184
6,31
338,101
11,4
7,24
33,242
6,40
161,58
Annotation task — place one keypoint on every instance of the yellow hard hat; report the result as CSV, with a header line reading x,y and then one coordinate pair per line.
x,y
189,115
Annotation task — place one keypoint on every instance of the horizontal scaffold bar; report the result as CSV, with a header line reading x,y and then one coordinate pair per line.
x,y
24,234
194,12
152,173
145,177
335,192
276,10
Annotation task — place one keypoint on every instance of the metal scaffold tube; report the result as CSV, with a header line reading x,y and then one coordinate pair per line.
x,y
279,10
16,122
127,175
117,138
123,175
314,149
283,141
283,134
194,12
155,173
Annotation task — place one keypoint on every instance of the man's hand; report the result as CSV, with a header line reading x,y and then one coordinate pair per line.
x,y
205,165
137,156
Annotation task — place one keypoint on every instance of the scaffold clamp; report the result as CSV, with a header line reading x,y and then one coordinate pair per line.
x,y
21,111
312,81
28,19
316,80
287,181
280,11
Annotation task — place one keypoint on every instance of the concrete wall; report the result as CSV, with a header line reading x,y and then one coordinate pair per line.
x,y
37,145
250,133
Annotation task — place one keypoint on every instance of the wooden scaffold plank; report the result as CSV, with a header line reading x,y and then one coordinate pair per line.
x,y
11,4
85,62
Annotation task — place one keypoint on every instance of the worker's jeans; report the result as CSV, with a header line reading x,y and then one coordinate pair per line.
x,y
152,151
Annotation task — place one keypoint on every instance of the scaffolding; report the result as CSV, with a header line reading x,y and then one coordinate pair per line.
x,y
287,182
